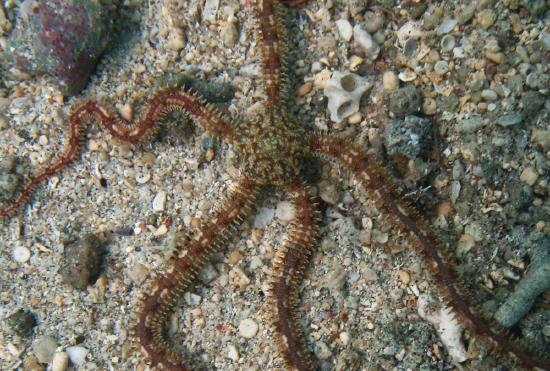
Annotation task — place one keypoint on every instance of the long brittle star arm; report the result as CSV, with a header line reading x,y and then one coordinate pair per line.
x,y
273,48
288,269
163,103
187,260
422,238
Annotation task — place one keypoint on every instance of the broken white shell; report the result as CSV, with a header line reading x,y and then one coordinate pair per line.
x,y
344,91
407,75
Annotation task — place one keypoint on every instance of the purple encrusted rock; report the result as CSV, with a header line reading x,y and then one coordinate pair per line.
x,y
63,38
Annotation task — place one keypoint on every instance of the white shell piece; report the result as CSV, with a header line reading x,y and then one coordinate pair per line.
x,y
344,91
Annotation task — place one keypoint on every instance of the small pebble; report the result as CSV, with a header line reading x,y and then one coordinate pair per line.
x,y
529,176
364,40
486,18
465,244
233,352
60,361
248,328
390,81
322,79
405,277
21,254
499,58
234,257
159,201
304,89
355,118
77,354
322,351
127,112
355,61
161,230
489,95
345,29
138,274
44,349
230,35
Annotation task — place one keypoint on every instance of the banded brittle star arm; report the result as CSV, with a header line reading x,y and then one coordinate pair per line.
x,y
288,269
426,243
186,261
161,104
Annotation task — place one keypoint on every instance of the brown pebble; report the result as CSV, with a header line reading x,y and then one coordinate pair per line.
x,y
304,89
234,257
444,208
405,277
209,155
195,222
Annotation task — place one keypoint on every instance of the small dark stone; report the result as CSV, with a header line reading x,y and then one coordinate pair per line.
x,y
489,170
124,231
152,219
22,323
418,10
449,104
532,103
80,339
521,195
405,101
12,171
408,137
103,182
535,7
82,261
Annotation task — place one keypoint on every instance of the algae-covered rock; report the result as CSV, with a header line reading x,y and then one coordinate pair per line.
x,y
63,38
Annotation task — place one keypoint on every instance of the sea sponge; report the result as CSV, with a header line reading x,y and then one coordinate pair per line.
x,y
344,91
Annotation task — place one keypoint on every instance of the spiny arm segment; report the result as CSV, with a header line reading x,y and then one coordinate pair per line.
x,y
186,262
288,268
163,103
273,46
425,242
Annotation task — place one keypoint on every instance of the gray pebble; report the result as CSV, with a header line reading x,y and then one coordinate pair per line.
x,y
405,101
510,119
407,137
532,103
348,360
322,351
82,261
44,349
207,274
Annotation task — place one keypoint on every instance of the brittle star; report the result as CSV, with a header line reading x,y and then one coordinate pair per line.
x,y
273,146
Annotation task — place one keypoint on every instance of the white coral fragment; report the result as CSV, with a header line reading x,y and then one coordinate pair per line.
x,y
450,331
344,91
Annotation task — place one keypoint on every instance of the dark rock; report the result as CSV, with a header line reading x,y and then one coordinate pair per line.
x,y
405,101
407,137
22,323
63,38
532,103
12,172
521,195
489,170
535,7
82,261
